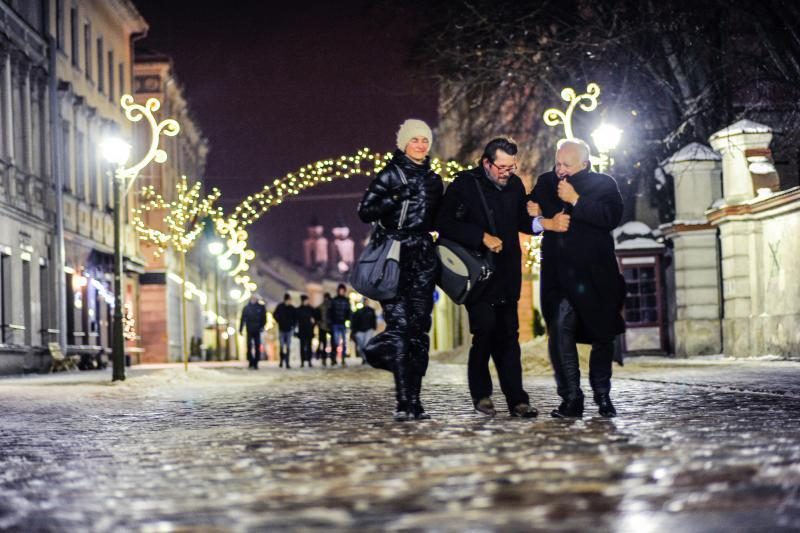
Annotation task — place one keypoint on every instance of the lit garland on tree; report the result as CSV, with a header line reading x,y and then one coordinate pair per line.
x,y
184,218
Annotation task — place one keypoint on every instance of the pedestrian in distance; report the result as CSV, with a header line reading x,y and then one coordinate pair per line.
x,y
582,290
323,328
402,348
339,314
253,319
305,330
494,226
284,315
362,327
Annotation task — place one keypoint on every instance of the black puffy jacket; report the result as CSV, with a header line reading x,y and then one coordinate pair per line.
x,y
384,197
339,311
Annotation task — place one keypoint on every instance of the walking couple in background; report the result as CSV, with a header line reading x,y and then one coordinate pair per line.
x,y
485,208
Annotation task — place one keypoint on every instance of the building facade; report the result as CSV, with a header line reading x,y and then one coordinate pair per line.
x,y
92,47
64,65
27,311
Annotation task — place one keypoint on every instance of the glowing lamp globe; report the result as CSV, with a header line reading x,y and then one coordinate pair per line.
x,y
606,137
115,150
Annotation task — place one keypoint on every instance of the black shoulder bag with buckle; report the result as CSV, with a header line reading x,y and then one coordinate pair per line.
x,y
376,274
465,272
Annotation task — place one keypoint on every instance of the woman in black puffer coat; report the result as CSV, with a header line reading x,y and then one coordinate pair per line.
x,y
403,347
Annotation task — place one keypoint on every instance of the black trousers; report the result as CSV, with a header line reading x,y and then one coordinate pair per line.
x,y
305,350
563,351
254,342
495,336
322,342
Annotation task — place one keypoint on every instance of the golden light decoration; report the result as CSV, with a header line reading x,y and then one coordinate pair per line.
x,y
362,163
587,102
135,112
239,256
185,219
184,216
128,323
533,256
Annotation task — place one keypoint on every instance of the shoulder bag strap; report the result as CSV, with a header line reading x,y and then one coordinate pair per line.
x,y
404,209
486,211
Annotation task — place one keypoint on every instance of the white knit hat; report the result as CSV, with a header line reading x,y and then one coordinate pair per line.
x,y
413,128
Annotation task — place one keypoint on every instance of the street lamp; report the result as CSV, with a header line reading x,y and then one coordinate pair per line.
x,y
606,138
117,152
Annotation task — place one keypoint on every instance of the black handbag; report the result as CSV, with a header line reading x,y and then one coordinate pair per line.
x,y
376,274
465,272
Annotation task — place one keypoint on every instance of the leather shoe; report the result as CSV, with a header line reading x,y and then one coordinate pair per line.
x,y
402,413
569,409
485,406
523,410
419,412
605,407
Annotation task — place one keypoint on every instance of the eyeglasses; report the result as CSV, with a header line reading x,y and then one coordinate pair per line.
x,y
510,169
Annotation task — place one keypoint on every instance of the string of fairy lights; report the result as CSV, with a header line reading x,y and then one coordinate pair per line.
x,y
365,162
183,217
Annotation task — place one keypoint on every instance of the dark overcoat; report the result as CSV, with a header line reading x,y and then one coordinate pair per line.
x,y
462,218
580,264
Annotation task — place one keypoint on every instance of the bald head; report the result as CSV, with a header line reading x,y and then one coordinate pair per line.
x,y
572,156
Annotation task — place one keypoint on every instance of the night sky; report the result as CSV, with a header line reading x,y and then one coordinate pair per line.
x,y
274,87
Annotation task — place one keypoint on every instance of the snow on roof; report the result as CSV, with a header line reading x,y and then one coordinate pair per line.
x,y
634,227
638,243
693,152
742,126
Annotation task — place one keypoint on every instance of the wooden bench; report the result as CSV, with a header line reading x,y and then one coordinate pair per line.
x,y
61,361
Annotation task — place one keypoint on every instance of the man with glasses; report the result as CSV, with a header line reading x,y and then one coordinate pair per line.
x,y
493,319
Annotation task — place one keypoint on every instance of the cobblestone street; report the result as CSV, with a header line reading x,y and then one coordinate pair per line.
x,y
697,447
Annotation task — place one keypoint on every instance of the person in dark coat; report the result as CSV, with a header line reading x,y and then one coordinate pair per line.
x,y
323,328
403,347
338,315
582,290
362,327
493,319
285,317
305,329
254,318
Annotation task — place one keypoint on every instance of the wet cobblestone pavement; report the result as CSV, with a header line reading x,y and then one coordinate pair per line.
x,y
224,449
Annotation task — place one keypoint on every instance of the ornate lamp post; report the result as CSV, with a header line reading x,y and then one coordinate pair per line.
x,y
587,102
117,152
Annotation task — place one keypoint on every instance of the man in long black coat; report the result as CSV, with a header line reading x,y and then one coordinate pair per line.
x,y
582,290
493,318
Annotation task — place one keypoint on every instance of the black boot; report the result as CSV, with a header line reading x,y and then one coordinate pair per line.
x,y
416,404
402,411
570,408
604,405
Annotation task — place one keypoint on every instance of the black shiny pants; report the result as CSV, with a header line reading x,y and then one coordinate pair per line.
x,y
402,348
564,356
